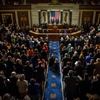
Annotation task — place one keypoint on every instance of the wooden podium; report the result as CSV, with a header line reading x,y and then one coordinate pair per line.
x,y
55,30
49,26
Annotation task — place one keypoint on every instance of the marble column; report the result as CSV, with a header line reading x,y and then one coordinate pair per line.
x,y
94,15
81,12
70,18
48,16
61,18
39,16
16,15
29,18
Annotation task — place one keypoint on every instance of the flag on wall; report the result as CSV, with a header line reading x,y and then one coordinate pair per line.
x,y
55,15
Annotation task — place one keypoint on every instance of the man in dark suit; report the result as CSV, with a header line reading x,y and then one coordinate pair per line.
x,y
65,25
95,85
70,85
84,87
66,69
19,67
65,59
14,88
10,66
89,68
97,55
78,69
24,58
52,20
57,21
74,58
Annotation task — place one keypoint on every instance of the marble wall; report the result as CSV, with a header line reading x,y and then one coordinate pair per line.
x,y
63,7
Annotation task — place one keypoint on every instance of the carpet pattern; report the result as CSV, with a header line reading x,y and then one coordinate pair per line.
x,y
54,84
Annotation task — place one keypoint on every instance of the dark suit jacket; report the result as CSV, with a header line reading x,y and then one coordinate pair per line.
x,y
97,55
66,70
95,87
84,86
24,59
19,68
64,60
70,84
97,68
78,70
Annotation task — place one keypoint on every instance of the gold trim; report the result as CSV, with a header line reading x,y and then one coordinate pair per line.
x,y
89,10
7,14
98,18
13,10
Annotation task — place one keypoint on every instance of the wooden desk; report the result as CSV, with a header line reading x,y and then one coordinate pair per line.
x,y
53,36
59,26
55,30
50,26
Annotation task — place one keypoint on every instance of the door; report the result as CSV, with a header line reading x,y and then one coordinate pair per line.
x,y
86,19
23,23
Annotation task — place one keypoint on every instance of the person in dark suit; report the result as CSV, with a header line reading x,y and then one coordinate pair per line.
x,y
84,87
29,71
97,55
64,50
10,66
95,85
43,31
19,67
66,69
78,69
52,20
24,58
75,30
51,60
65,25
70,85
57,21
91,49
65,59
44,54
74,58
13,86
40,73
89,68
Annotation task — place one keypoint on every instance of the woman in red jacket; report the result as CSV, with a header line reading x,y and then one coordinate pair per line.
x,y
46,47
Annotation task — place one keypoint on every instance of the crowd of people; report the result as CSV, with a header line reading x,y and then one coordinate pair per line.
x,y
80,58
23,61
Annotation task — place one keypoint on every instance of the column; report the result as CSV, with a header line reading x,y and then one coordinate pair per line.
x,y
70,18
39,16
81,12
61,18
29,18
94,15
24,2
16,15
48,16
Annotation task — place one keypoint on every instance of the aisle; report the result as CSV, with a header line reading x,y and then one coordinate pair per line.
x,y
53,86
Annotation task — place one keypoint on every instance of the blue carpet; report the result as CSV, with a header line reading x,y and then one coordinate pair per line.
x,y
53,86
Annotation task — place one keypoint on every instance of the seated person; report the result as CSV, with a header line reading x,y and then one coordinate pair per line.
x,y
75,30
47,31
65,31
43,31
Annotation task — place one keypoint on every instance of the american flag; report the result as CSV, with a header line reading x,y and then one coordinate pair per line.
x,y
55,15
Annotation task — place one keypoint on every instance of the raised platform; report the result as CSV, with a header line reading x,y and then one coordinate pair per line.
x,y
53,36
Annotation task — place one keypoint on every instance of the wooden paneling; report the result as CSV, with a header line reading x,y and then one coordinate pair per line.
x,y
87,16
96,18
13,14
89,7
22,14
15,7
